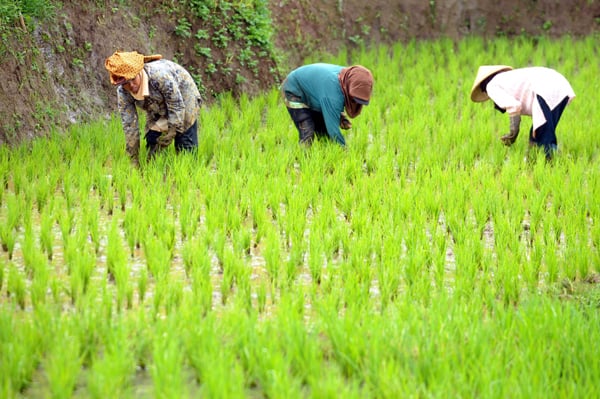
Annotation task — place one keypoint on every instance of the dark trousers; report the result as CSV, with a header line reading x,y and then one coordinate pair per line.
x,y
187,140
545,135
309,124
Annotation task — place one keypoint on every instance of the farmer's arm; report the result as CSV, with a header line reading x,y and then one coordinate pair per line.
x,y
512,106
176,110
331,115
129,120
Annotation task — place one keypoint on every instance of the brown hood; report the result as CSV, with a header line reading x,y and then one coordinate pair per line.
x,y
357,85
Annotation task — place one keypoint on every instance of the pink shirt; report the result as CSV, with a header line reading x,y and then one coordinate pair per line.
x,y
516,91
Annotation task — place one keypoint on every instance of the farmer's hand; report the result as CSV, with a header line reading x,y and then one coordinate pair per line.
x,y
345,122
165,139
508,139
152,151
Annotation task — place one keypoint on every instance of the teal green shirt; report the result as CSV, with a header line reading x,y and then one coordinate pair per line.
x,y
319,88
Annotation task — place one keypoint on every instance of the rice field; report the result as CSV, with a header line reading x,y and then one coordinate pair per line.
x,y
426,259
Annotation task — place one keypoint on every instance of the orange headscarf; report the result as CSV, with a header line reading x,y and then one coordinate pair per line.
x,y
123,66
357,85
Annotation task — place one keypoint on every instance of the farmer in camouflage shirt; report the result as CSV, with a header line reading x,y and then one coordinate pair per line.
x,y
168,94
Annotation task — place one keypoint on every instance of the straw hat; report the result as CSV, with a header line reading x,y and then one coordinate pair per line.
x,y
124,66
484,72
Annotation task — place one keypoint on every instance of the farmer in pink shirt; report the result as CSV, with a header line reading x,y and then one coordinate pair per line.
x,y
539,92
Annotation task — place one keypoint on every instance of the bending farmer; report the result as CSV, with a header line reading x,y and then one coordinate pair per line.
x,y
317,94
539,92
168,94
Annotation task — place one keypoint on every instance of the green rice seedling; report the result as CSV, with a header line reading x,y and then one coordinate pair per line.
x,y
438,258
19,178
120,183
66,222
116,257
536,259
31,251
242,274
174,296
105,192
159,295
40,282
62,364
242,241
20,351
189,215
243,294
269,367
5,169
218,245
300,345
272,255
124,289
8,236
202,289
316,258
551,260
14,211
163,229
90,324
227,283
142,345
469,257
46,233
212,360
142,284
3,268
15,286
112,371
71,188
92,222
293,264
43,190
133,226
196,257
261,296
167,361
81,263
260,220
158,257
76,286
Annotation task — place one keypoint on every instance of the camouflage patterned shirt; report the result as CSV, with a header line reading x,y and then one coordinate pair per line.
x,y
172,95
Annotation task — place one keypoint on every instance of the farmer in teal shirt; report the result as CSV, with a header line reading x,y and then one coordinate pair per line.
x,y
316,96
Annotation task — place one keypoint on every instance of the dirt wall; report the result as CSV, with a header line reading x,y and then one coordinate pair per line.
x,y
305,26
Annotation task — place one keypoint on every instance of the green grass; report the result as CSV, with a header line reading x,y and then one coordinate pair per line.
x,y
425,260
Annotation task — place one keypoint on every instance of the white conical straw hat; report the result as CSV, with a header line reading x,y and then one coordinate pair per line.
x,y
484,72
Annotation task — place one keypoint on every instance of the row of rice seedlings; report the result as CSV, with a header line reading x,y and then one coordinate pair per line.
x,y
204,350
63,361
8,230
113,369
167,361
22,345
